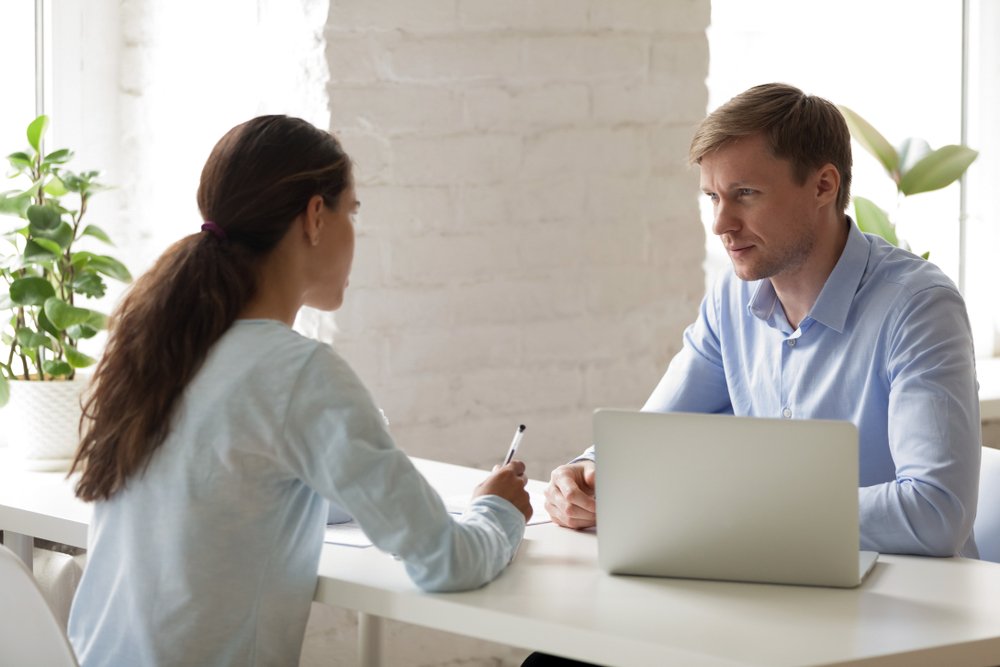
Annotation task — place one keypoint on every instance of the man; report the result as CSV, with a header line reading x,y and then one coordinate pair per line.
x,y
820,321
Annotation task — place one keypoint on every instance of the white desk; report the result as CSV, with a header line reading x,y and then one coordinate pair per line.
x,y
39,504
911,611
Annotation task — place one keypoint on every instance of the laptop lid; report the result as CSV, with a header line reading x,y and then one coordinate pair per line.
x,y
724,497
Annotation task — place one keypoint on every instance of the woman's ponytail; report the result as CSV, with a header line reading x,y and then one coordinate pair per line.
x,y
257,180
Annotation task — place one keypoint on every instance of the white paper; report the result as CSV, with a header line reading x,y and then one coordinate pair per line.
x,y
458,505
348,534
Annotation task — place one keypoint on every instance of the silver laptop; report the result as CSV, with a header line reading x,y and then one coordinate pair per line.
x,y
733,498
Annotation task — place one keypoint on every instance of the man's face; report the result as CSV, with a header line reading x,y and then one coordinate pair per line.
x,y
765,219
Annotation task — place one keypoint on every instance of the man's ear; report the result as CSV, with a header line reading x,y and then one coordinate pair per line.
x,y
312,220
827,184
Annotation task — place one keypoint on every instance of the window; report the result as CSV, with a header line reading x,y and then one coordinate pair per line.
x,y
982,270
17,34
901,70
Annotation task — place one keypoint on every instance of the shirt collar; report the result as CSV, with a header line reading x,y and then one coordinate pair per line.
x,y
835,299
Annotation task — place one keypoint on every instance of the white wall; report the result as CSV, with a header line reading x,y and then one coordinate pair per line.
x,y
529,243
983,271
850,55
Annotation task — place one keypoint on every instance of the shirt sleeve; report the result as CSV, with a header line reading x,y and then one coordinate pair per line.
x,y
695,380
934,433
338,445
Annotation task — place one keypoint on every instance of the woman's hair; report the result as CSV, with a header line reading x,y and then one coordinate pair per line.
x,y
258,179
806,130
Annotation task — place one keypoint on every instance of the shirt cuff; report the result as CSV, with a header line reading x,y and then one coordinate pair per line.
x,y
511,520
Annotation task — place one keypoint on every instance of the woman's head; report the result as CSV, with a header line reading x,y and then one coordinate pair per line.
x,y
262,174
270,184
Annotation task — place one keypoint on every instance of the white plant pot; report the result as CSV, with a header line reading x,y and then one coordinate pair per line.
x,y
40,423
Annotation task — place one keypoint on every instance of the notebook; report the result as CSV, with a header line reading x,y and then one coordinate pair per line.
x,y
731,498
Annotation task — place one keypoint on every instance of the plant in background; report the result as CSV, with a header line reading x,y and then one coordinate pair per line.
x,y
43,273
914,167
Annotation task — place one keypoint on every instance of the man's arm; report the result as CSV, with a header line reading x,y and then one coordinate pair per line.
x,y
934,433
695,381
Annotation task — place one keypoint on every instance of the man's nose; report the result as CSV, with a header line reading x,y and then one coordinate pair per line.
x,y
724,221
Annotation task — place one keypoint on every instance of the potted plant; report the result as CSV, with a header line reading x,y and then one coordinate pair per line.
x,y
45,275
914,168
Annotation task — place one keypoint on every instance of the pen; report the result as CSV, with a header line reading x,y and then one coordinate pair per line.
x,y
518,435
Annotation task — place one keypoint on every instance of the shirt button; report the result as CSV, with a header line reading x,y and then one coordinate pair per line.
x,y
786,413
791,342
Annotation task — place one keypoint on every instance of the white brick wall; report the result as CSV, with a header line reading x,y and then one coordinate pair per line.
x,y
184,81
529,240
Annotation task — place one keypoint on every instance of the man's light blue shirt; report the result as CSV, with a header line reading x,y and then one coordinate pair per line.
x,y
888,347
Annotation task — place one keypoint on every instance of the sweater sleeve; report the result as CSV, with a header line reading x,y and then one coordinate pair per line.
x,y
337,443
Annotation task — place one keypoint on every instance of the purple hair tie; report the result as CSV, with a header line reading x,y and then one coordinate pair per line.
x,y
217,232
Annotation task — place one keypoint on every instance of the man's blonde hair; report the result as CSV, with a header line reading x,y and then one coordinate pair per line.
x,y
806,130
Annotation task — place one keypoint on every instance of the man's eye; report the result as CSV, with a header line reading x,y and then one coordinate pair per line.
x,y
743,192
712,196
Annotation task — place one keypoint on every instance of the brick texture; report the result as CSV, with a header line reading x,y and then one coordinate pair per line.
x,y
529,240
529,244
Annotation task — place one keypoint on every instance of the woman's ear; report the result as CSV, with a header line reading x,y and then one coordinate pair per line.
x,y
313,220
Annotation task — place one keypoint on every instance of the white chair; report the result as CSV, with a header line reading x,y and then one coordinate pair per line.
x,y
987,527
29,633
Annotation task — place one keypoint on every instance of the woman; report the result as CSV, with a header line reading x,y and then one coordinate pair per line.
x,y
217,435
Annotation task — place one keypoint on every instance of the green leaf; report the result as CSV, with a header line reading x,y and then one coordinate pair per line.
x,y
76,358
97,320
55,187
14,204
49,245
871,140
40,250
89,284
31,291
872,219
30,338
97,233
36,130
45,325
63,315
57,368
78,331
60,156
911,151
4,390
19,160
43,218
110,267
71,181
938,169
62,235
82,258
927,255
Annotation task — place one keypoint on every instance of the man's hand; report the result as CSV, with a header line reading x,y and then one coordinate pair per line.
x,y
569,498
508,482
